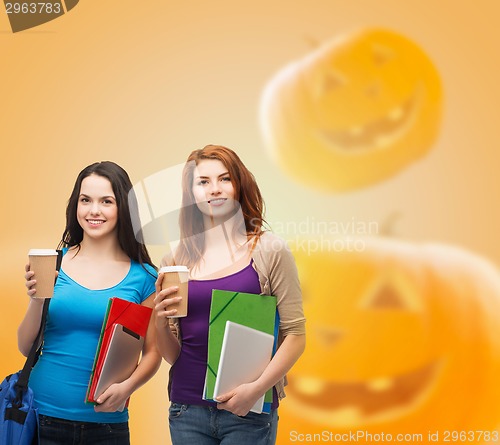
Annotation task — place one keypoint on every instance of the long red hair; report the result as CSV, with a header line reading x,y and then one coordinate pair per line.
x,y
192,244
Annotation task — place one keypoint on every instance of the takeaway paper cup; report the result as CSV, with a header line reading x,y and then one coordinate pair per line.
x,y
177,276
43,263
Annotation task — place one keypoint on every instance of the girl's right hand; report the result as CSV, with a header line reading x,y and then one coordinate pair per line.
x,y
163,301
30,283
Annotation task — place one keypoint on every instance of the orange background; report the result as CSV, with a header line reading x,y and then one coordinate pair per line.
x,y
144,83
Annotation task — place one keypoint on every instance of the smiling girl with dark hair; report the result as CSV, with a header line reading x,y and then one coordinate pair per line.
x,y
101,259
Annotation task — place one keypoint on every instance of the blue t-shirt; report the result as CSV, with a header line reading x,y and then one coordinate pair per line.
x,y
60,378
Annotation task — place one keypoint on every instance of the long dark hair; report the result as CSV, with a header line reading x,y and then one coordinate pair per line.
x,y
247,193
127,209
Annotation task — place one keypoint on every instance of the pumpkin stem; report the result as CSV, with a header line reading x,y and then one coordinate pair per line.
x,y
387,226
312,42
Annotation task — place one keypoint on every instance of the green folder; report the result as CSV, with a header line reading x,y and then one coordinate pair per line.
x,y
252,310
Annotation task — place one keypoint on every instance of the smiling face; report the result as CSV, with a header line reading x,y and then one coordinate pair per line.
x,y
213,190
97,211
364,329
370,92
354,112
392,333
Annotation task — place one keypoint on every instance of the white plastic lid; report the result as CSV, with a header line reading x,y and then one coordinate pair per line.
x,y
174,269
42,252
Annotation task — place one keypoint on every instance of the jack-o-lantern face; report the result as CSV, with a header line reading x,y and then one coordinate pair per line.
x,y
400,338
354,112
382,320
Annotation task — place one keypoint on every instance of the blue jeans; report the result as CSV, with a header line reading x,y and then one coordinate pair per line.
x,y
207,425
67,432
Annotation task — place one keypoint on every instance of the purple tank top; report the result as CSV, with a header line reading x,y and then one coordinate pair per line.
x,y
187,376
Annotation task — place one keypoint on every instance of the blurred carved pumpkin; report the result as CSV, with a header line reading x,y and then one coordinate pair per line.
x,y
354,112
401,338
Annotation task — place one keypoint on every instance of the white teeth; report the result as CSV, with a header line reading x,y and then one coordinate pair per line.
x,y
380,384
382,141
396,114
309,385
350,415
93,221
356,131
216,200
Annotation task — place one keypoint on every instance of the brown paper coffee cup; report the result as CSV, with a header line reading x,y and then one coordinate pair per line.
x,y
43,263
177,276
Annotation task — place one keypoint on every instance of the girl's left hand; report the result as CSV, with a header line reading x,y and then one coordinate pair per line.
x,y
112,399
240,400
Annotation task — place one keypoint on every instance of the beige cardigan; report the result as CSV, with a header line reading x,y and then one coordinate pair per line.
x,y
275,266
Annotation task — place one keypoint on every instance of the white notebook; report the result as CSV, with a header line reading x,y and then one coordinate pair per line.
x,y
121,359
245,353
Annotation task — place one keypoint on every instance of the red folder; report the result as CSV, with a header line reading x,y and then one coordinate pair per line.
x,y
132,316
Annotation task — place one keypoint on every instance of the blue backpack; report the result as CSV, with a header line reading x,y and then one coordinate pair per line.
x,y
18,411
